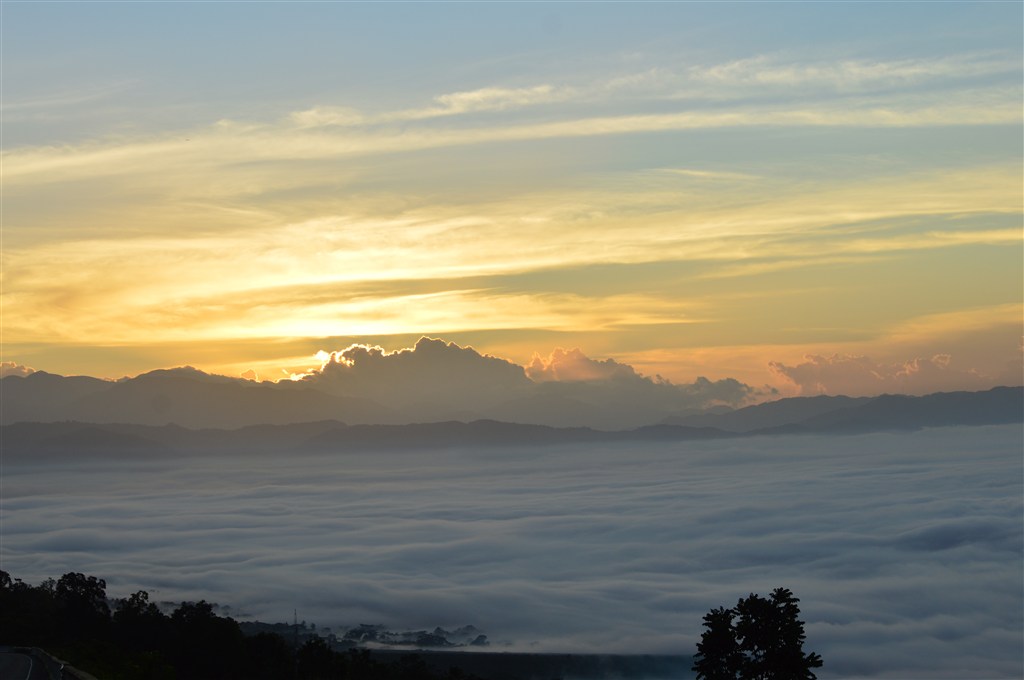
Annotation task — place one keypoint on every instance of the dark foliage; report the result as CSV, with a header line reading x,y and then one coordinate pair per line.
x,y
71,618
758,639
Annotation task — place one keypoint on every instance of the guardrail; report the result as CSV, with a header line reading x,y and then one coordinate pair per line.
x,y
55,668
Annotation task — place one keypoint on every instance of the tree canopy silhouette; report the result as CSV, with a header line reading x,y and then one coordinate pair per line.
x,y
71,618
758,639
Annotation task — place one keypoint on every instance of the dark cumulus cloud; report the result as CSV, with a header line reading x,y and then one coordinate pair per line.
x,y
430,380
437,380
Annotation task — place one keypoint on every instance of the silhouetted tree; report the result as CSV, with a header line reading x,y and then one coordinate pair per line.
x,y
718,648
71,617
27,615
82,606
139,625
207,645
268,657
316,661
86,592
411,667
758,639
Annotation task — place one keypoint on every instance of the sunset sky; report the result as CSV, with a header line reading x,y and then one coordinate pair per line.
x,y
813,197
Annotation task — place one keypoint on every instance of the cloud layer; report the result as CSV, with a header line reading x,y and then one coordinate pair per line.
x,y
905,544
13,368
839,374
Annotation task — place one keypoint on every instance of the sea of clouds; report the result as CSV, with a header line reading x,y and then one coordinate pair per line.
x,y
905,549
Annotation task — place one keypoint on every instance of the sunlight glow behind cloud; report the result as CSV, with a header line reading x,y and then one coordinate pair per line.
x,y
596,214
731,184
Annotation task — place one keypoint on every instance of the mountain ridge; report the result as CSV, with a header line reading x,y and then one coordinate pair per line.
x,y
1001,405
193,399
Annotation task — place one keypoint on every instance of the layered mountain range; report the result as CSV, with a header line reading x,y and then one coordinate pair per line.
x,y
187,410
432,381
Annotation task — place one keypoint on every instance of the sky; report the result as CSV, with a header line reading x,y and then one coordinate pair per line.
x,y
803,197
904,544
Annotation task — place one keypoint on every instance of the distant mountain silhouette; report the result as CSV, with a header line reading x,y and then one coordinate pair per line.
x,y
191,399
69,439
44,396
899,412
433,381
46,441
42,441
861,414
72,439
770,414
185,397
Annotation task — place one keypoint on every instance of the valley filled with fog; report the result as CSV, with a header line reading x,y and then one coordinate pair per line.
x,y
905,548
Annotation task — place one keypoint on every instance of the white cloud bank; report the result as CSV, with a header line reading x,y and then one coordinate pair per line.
x,y
905,549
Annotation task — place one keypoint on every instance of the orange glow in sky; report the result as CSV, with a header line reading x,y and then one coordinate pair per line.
x,y
798,210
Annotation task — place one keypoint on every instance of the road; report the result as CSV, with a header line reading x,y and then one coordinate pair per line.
x,y
18,666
